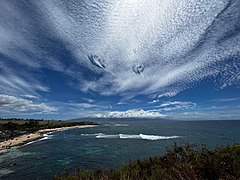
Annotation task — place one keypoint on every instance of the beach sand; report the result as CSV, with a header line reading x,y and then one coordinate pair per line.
x,y
34,136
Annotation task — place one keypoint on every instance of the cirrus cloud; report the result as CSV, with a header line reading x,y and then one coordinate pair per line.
x,y
178,44
176,105
17,106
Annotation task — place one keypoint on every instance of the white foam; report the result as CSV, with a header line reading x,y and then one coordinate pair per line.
x,y
107,136
154,137
121,125
95,134
45,137
131,136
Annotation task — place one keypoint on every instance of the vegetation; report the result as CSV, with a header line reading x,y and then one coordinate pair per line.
x,y
10,128
179,162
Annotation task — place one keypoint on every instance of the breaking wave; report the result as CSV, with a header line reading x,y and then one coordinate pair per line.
x,y
121,125
131,136
45,137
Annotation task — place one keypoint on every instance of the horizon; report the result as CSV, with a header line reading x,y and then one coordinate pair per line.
x,y
120,59
121,120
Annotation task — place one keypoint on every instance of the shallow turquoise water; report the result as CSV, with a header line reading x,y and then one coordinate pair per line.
x,y
103,147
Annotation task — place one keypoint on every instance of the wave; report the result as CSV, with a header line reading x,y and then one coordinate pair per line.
x,y
128,136
121,125
117,125
154,137
45,137
131,136
96,134
107,136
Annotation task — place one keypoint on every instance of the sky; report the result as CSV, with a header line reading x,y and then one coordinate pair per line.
x,y
167,59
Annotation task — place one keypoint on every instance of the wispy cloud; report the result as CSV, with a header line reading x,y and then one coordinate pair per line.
x,y
178,45
176,105
89,100
17,106
225,99
84,105
207,115
121,103
154,101
15,84
29,96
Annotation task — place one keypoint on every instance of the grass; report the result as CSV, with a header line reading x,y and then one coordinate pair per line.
x,y
180,162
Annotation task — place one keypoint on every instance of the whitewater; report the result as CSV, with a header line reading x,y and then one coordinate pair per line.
x,y
131,136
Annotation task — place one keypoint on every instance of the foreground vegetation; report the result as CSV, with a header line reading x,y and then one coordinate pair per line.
x,y
179,162
11,128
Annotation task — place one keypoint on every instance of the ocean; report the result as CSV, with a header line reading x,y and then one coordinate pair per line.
x,y
110,145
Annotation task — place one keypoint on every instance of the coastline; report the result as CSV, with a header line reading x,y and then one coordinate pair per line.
x,y
26,138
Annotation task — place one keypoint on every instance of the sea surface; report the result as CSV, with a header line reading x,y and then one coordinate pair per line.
x,y
110,145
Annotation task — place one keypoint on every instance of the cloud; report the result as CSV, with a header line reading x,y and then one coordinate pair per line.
x,y
176,105
154,101
22,50
122,103
224,99
168,94
84,105
29,96
207,115
18,106
134,113
178,45
15,84
89,100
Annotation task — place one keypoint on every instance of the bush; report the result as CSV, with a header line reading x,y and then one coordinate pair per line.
x,y
179,162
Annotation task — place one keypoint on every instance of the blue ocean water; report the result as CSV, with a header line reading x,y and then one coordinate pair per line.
x,y
110,145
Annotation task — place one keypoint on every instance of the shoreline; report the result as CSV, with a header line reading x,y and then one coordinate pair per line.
x,y
26,138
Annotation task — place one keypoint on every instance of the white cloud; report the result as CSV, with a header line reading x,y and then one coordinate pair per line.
x,y
14,84
206,115
121,103
175,105
179,44
135,113
29,96
154,101
168,94
15,105
89,100
224,99
162,36
84,105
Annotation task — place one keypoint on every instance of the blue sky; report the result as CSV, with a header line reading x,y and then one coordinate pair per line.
x,y
165,59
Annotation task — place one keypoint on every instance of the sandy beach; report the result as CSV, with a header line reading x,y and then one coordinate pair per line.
x,y
34,136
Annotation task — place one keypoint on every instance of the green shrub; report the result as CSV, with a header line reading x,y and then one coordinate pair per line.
x,y
179,162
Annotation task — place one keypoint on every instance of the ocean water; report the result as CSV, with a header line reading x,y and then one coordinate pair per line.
x,y
110,145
